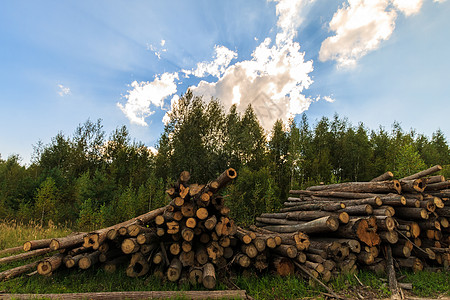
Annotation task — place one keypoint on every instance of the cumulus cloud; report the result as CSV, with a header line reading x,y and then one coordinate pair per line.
x,y
222,59
328,99
273,80
360,27
63,91
408,7
144,94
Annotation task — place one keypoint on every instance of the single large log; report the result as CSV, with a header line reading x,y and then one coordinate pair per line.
x,y
138,266
423,173
88,260
209,276
174,270
286,250
66,242
385,223
320,225
411,213
11,250
312,205
361,187
413,185
393,285
225,178
130,245
411,262
383,177
438,186
36,244
11,273
49,265
360,229
374,201
273,221
358,210
225,294
388,236
23,256
72,261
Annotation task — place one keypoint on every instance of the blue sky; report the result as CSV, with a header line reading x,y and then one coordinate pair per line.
x,y
125,62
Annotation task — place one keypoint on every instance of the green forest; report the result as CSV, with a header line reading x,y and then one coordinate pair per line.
x,y
88,179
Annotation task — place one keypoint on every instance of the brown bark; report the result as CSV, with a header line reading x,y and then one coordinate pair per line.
x,y
358,210
388,236
174,270
413,185
286,250
437,186
36,244
393,285
11,250
187,258
209,276
385,223
374,201
360,229
283,266
88,260
383,177
66,242
138,266
424,173
110,255
311,205
411,262
72,261
130,245
24,256
320,225
411,213
50,264
361,187
273,221
12,273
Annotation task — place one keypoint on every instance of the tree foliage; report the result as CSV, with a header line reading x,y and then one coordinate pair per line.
x,y
92,180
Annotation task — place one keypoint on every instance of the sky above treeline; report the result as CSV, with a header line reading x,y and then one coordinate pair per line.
x,y
128,62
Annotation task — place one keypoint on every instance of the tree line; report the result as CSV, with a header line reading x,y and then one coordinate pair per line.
x,y
90,180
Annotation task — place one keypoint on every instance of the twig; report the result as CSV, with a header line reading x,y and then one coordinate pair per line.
x,y
318,281
359,281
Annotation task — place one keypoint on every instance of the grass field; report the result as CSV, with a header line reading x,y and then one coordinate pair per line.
x,y
259,286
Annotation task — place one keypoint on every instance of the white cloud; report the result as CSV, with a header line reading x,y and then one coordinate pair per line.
x,y
328,99
153,150
157,51
360,27
272,82
408,7
222,58
173,102
63,91
144,94
440,1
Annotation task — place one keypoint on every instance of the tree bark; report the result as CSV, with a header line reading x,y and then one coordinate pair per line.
x,y
12,273
424,173
383,177
209,276
23,256
320,225
361,187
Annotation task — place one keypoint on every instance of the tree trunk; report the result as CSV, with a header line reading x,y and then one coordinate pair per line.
x,y
88,260
361,187
209,276
11,273
174,270
320,225
383,177
49,265
424,173
138,266
24,256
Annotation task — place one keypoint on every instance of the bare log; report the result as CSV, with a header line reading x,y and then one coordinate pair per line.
x,y
320,225
209,276
49,265
12,273
423,173
362,187
383,177
23,256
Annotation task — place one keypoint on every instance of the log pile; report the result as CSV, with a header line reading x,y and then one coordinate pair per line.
x,y
350,224
322,231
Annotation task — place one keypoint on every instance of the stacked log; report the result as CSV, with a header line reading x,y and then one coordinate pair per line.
x,y
350,224
322,231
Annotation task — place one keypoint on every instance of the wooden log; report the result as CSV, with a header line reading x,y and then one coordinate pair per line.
x,y
175,248
23,256
435,179
361,187
209,276
443,212
17,271
273,221
130,245
242,260
411,213
383,177
173,227
225,178
36,244
413,185
313,205
11,250
412,202
358,210
88,260
72,261
374,201
49,265
138,266
385,223
424,173
283,266
320,225
195,275
174,270
111,265
438,186
286,250
147,237
394,200
393,285
68,241
187,258
388,236
110,255
360,229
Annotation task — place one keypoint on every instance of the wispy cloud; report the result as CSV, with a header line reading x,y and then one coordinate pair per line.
x,y
63,91
144,94
157,50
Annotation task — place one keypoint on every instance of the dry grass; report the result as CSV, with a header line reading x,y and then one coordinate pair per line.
x,y
13,233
